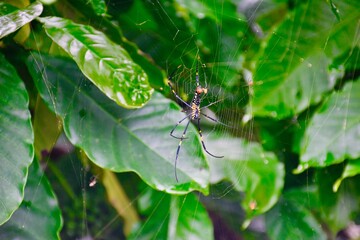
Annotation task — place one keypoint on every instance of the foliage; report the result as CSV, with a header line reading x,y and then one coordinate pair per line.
x,y
86,113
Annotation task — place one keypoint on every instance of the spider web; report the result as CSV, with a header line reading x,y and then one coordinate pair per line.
x,y
226,67
226,70
220,70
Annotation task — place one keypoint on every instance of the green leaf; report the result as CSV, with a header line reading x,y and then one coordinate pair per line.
x,y
16,18
102,61
200,9
119,139
292,72
268,16
39,216
352,169
317,202
16,137
6,9
173,217
47,129
309,192
336,208
291,220
112,30
251,170
344,35
342,213
349,61
99,7
332,135
188,219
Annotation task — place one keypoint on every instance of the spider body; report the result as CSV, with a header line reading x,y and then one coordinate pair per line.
x,y
195,104
193,112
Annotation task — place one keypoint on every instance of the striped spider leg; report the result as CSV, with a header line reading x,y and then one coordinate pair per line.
x,y
194,113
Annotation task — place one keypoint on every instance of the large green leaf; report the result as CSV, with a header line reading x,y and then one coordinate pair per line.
x,y
332,135
188,219
105,63
289,219
349,61
172,217
39,216
251,170
302,211
336,208
114,31
16,137
120,139
344,35
352,169
292,72
10,21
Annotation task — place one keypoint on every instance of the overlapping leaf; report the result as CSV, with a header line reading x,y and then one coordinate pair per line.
x,y
120,139
292,72
173,217
335,208
105,63
12,19
300,211
289,219
352,169
16,137
344,35
251,170
332,134
39,216
47,129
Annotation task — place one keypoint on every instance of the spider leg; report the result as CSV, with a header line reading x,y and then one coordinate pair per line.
x,y
177,124
177,96
172,89
197,72
202,141
212,103
215,120
178,148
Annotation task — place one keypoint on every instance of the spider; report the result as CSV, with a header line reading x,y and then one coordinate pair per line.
x,y
194,113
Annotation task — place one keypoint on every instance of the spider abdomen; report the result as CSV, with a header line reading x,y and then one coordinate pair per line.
x,y
195,111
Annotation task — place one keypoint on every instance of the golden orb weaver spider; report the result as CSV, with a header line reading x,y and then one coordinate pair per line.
x,y
193,113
